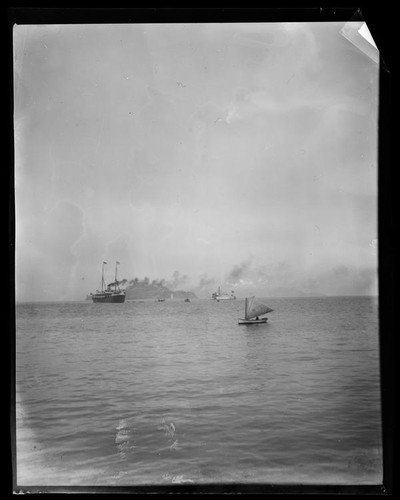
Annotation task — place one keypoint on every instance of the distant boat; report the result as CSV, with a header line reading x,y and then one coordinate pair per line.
x,y
160,300
110,293
253,309
187,300
223,296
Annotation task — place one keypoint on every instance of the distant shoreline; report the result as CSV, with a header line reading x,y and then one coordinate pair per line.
x,y
199,299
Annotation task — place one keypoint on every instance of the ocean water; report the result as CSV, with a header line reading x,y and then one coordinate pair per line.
x,y
174,392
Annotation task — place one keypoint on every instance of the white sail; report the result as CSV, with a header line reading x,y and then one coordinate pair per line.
x,y
254,308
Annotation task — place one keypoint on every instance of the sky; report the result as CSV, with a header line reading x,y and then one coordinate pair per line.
x,y
240,155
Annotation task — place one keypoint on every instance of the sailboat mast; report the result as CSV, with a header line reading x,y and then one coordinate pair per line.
x,y
245,309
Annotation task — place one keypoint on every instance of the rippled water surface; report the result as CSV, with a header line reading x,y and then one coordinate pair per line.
x,y
174,392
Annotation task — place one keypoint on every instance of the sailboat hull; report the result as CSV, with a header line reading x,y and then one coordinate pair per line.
x,y
252,321
109,298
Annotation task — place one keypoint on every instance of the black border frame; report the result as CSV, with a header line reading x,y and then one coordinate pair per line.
x,y
381,23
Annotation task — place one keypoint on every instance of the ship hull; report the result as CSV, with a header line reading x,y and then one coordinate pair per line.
x,y
109,299
252,321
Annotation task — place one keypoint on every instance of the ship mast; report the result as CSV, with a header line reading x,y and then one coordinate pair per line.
x,y
115,279
102,276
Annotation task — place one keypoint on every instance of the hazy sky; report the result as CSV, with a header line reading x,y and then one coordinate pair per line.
x,y
243,155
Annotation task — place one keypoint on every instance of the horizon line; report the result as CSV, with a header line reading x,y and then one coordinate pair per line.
x,y
321,296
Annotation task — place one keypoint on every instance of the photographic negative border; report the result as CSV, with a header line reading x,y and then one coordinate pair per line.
x,y
381,27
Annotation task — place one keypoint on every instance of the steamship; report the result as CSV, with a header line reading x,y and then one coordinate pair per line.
x,y
110,293
223,296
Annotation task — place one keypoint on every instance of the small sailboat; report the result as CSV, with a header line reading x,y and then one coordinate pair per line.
x,y
110,293
253,309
